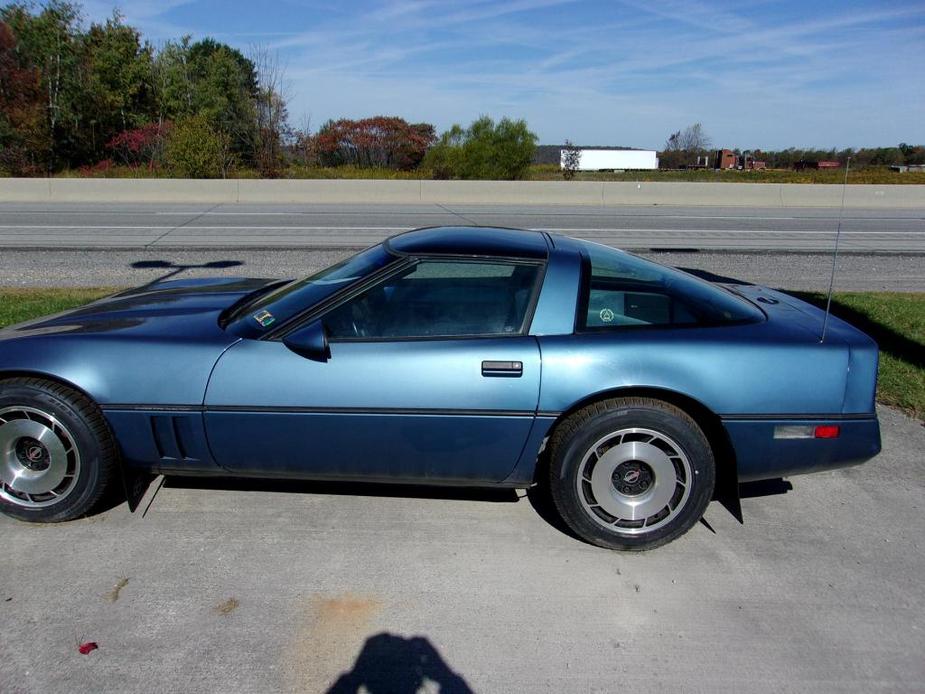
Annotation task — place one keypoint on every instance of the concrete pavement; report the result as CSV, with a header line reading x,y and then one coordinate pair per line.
x,y
262,587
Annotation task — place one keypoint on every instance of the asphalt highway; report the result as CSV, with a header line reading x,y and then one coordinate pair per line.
x,y
74,225
123,245
48,267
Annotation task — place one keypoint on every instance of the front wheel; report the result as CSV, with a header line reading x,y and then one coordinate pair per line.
x,y
57,455
630,473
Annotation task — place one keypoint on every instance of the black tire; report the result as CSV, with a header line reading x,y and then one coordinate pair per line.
x,y
75,426
626,480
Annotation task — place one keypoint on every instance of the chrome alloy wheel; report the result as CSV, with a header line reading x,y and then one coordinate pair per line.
x,y
634,480
39,461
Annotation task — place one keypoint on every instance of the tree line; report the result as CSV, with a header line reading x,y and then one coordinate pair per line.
x,y
683,147
97,97
100,97
72,96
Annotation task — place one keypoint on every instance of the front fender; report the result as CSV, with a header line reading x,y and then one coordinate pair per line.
x,y
116,371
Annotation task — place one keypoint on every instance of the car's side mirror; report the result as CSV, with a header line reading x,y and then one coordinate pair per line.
x,y
310,341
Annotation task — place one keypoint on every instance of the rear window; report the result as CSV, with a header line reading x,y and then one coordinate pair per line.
x,y
622,290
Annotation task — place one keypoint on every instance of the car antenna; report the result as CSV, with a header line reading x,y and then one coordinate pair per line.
x,y
841,212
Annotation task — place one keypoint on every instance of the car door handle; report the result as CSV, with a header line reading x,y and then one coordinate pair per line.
x,y
511,369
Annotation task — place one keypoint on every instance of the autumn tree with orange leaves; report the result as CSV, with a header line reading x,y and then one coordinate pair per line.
x,y
380,141
23,136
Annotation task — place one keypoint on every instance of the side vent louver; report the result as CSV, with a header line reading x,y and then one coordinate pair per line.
x,y
172,436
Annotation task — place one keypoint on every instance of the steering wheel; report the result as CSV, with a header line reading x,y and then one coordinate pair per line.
x,y
360,317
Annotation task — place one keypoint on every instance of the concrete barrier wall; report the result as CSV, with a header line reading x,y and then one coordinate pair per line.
x,y
25,189
329,191
141,190
457,192
511,192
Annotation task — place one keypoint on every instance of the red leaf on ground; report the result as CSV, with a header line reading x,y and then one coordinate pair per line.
x,y
87,647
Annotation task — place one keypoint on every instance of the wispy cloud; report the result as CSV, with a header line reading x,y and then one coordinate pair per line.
x,y
147,14
756,73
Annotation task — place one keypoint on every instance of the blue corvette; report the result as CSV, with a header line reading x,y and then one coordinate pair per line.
x,y
466,356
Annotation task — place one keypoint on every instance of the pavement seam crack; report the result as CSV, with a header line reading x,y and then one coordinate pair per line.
x,y
457,214
180,226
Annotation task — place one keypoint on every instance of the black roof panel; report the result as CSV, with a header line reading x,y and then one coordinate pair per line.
x,y
471,241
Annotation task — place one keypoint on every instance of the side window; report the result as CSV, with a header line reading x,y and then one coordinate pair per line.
x,y
621,290
435,298
616,306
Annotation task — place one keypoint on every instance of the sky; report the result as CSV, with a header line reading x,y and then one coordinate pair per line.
x,y
766,74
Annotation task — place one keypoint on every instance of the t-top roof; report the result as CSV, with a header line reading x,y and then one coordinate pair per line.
x,y
471,241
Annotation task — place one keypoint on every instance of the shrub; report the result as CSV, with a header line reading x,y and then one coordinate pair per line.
x,y
195,150
381,141
484,150
444,160
143,145
571,160
17,159
97,170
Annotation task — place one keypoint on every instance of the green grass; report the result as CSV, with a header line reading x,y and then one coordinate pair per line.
x,y
352,172
895,320
550,172
18,305
878,175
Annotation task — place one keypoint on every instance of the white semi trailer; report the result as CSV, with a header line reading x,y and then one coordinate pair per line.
x,y
610,159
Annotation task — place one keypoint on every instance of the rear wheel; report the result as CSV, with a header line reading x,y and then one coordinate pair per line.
x,y
630,473
57,455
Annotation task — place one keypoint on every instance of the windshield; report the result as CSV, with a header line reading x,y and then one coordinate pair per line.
x,y
280,305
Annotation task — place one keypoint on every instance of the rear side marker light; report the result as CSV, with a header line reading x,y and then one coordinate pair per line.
x,y
806,431
793,431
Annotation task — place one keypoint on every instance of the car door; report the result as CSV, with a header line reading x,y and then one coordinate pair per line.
x,y
429,375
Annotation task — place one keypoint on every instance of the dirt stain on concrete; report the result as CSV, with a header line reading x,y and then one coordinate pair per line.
x,y
345,612
330,633
227,606
113,595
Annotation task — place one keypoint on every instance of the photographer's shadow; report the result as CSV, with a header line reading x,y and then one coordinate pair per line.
x,y
174,269
390,664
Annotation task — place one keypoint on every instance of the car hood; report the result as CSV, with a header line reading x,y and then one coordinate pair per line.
x,y
187,309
